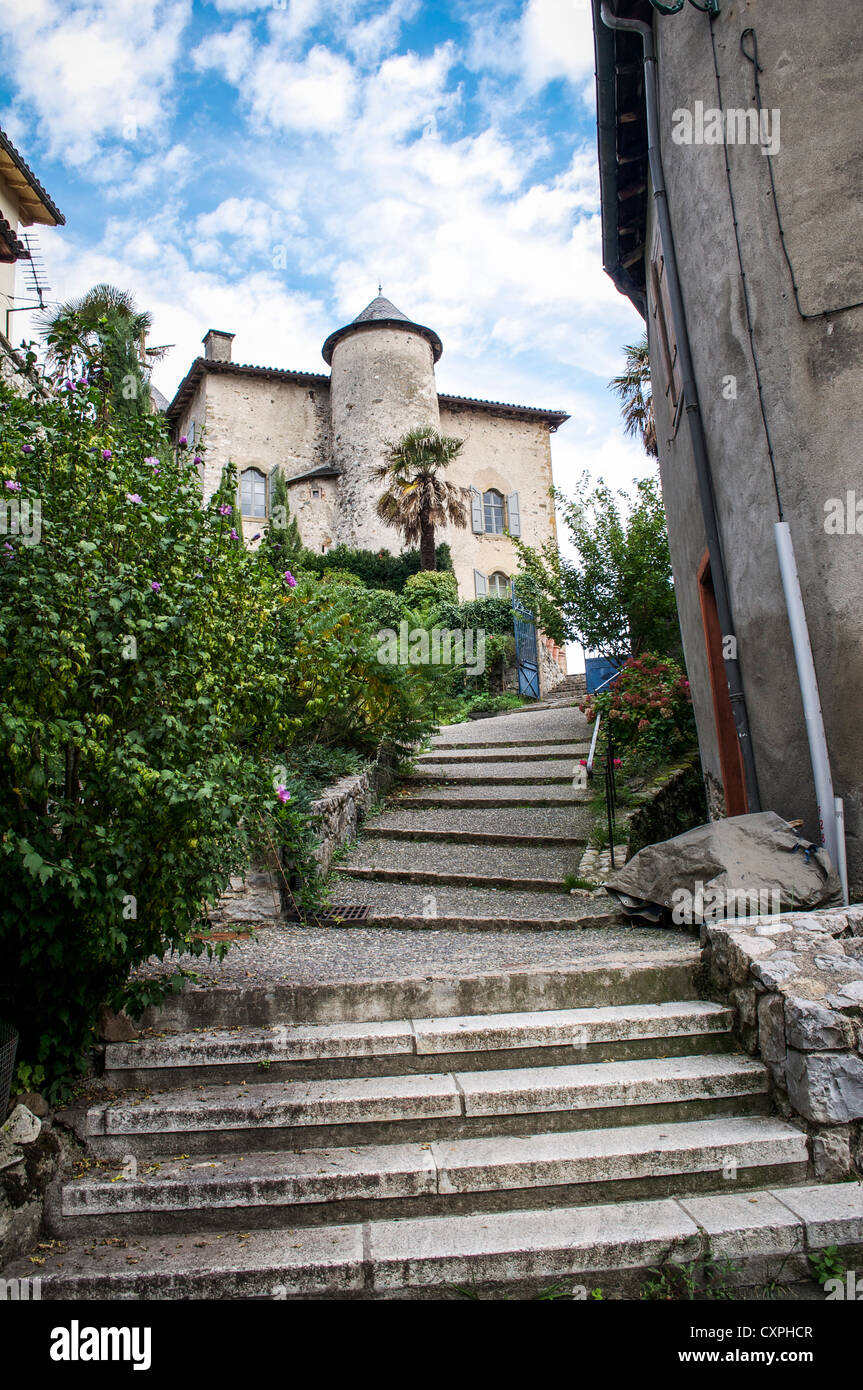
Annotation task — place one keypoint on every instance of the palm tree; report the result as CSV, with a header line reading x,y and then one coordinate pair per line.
x,y
417,499
104,329
636,400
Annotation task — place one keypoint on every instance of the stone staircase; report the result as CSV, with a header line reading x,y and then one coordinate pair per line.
x,y
453,1132
413,1156
483,833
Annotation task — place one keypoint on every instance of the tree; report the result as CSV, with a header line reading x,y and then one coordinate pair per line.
x,y
617,597
104,329
417,499
636,400
282,544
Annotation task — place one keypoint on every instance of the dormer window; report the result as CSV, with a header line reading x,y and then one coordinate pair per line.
x,y
253,492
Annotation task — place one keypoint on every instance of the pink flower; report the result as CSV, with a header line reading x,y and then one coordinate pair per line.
x,y
155,586
583,762
13,486
225,510
26,448
234,536
618,762
182,441
283,794
134,497
151,460
289,579
107,454
197,459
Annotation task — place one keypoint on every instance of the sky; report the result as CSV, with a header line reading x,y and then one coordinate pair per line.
x,y
261,167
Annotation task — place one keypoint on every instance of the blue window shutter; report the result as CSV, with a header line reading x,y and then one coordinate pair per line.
x,y
476,518
513,514
480,584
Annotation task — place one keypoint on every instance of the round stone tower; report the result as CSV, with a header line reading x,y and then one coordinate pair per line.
x,y
382,385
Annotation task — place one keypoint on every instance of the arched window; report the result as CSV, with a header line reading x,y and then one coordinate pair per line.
x,y
494,512
253,492
498,585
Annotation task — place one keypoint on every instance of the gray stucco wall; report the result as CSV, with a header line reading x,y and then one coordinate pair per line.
x,y
812,374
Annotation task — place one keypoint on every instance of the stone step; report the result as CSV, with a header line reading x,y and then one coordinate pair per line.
x,y
478,771
755,1236
502,753
637,977
482,795
538,868
234,1117
463,907
388,1047
507,826
334,1185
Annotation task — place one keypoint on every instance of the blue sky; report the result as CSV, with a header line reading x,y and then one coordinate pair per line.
x,y
259,167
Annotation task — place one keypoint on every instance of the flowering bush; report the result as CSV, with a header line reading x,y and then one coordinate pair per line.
x,y
649,708
141,713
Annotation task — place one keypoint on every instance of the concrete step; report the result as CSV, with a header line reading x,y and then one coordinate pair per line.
x,y
334,1185
507,826
482,795
478,771
760,1236
235,1117
638,977
503,753
389,1047
432,906
538,868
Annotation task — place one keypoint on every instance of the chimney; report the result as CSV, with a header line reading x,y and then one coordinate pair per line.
x,y
217,345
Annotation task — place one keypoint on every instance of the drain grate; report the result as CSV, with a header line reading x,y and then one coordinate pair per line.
x,y
333,917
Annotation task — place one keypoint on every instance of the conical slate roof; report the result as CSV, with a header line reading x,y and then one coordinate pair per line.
x,y
382,312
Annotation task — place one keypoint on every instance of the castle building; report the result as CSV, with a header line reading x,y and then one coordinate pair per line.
x,y
329,432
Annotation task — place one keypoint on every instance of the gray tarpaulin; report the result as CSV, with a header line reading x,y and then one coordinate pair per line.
x,y
744,866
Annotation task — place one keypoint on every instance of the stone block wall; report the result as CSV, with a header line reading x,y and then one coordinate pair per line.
x,y
255,900
795,983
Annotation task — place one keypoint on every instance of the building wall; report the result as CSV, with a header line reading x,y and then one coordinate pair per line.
x,y
259,423
507,455
9,210
812,376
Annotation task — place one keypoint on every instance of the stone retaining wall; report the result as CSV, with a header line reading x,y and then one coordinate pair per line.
x,y
795,983
254,900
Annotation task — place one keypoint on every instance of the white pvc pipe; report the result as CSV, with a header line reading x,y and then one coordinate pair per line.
x,y
590,755
842,866
808,682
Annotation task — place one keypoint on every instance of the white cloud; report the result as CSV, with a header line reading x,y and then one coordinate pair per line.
x,y
96,73
556,41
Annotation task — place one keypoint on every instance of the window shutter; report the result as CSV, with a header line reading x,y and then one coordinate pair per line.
x,y
513,514
476,521
480,584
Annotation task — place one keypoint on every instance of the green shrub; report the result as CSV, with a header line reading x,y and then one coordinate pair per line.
x,y
435,586
141,715
378,569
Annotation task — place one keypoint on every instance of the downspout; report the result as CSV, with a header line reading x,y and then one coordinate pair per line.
x,y
690,398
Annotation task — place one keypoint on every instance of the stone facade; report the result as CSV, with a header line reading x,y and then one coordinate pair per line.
x,y
796,985
804,382
329,432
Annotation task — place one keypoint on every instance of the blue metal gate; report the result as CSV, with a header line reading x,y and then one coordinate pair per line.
x,y
526,649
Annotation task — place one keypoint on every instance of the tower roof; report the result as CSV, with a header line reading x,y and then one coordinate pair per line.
x,y
383,314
